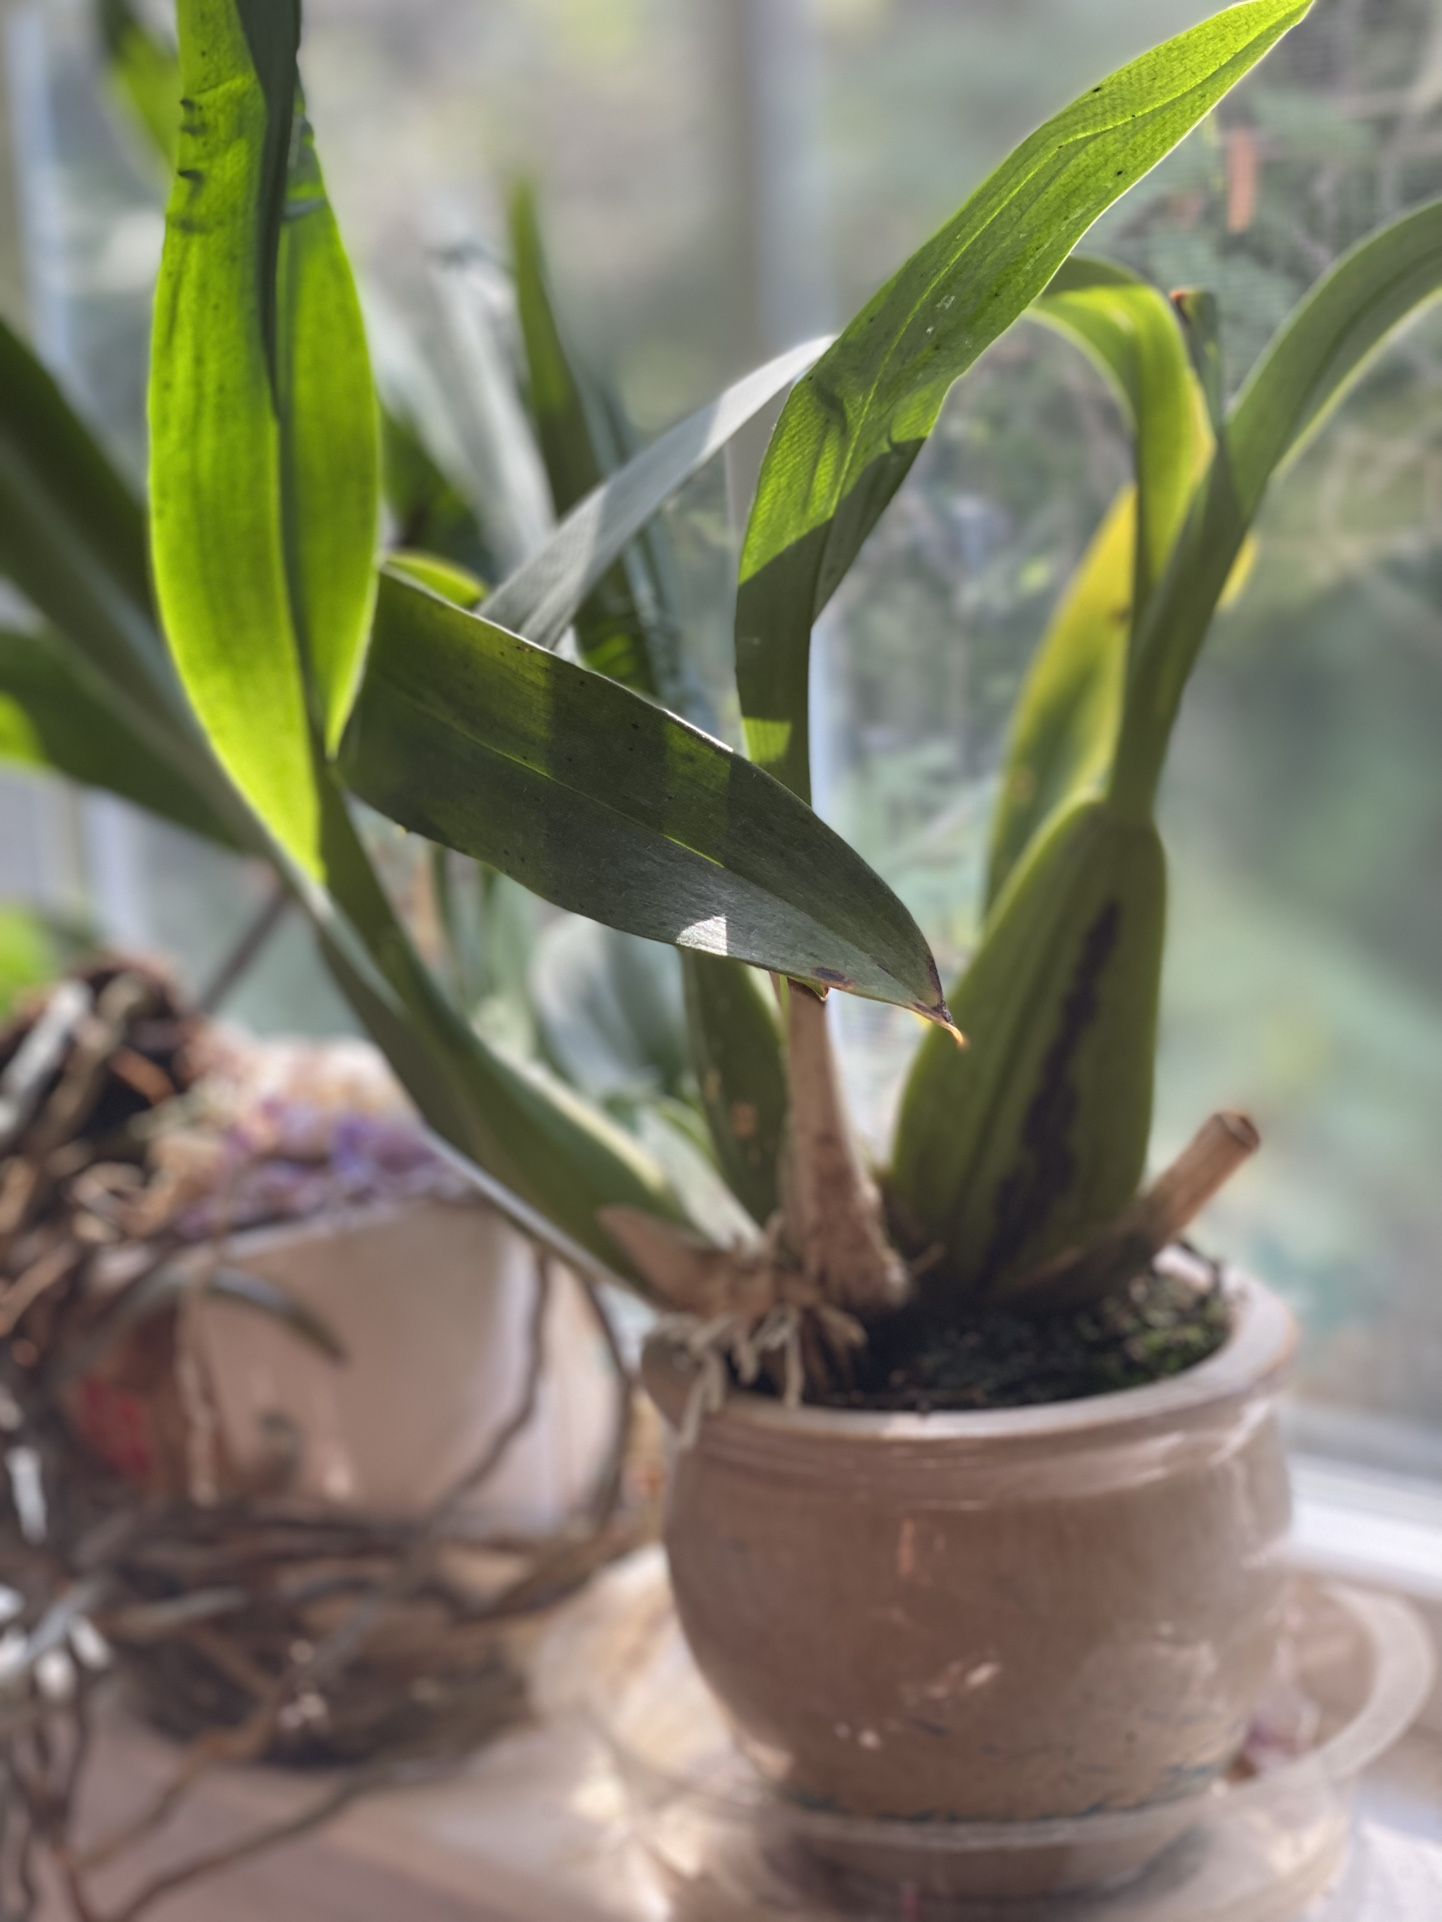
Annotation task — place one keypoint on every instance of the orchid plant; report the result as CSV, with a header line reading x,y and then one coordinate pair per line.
x,y
232,656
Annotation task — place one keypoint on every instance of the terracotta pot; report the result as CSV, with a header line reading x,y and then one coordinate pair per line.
x,y
431,1301
1001,1616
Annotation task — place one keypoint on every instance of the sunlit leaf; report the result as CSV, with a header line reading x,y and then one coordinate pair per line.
x,y
236,434
440,576
330,442
1132,332
855,424
217,521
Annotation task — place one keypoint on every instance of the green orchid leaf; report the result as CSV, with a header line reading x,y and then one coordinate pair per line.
x,y
609,1014
1036,1138
543,596
523,1127
72,535
1201,323
1035,1135
1063,731
1289,395
741,1067
440,576
1131,331
610,806
217,522
563,416
264,444
238,408
853,427
618,624
144,75
59,716
72,540
468,398
1064,728
330,440
427,510
629,627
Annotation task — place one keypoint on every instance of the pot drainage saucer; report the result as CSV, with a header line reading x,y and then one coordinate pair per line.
x,y
722,1845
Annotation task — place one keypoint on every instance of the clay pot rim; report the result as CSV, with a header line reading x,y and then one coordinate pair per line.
x,y
1255,1357
349,1218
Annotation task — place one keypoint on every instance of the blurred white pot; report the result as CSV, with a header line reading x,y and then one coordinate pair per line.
x,y
432,1302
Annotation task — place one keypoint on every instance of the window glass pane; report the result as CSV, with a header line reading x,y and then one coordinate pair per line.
x,y
1303,813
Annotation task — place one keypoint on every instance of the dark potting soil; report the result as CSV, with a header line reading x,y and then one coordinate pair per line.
x,y
1156,1326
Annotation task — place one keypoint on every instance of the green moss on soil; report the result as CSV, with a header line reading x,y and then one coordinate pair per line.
x,y
1157,1326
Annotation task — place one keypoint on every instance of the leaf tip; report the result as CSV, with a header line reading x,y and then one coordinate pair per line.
x,y
941,1016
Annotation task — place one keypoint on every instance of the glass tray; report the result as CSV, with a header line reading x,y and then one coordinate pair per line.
x,y
720,1845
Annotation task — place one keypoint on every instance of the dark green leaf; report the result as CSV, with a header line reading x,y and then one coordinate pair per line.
x,y
72,539
1201,324
427,509
622,628
57,714
599,800
72,536
522,1127
563,420
741,1067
